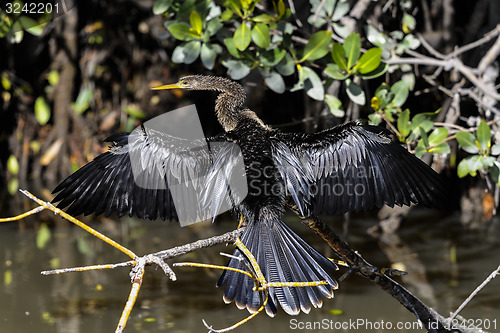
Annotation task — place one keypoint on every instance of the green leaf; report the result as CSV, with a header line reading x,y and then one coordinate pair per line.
x,y
317,46
355,93
236,69
438,135
42,111
161,6
213,26
462,168
380,70
404,125
334,71
484,135
420,149
388,113
260,35
53,77
242,37
312,84
400,91
208,54
495,149
187,53
245,3
335,105
134,111
341,9
442,148
409,23
13,165
286,66
182,31
263,18
234,5
374,119
43,236
226,15
275,82
6,84
231,48
467,141
370,60
422,120
281,8
30,25
474,163
15,34
272,57
487,161
13,186
495,172
338,55
82,102
352,48
196,22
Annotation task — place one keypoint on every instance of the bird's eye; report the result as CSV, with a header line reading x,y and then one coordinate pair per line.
x,y
184,83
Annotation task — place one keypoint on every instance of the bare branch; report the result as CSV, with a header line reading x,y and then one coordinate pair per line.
x,y
449,64
489,36
475,292
490,56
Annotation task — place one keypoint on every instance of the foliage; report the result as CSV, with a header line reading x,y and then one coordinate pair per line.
x,y
484,154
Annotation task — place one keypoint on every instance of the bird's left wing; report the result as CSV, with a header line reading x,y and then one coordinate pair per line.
x,y
352,168
144,170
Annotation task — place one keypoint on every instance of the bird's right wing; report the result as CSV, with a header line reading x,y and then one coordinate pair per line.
x,y
143,171
351,168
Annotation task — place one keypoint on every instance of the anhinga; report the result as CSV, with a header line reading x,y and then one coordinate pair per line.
x,y
300,165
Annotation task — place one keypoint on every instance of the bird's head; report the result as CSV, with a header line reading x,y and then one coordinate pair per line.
x,y
194,82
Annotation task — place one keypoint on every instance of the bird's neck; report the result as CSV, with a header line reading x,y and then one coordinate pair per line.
x,y
229,105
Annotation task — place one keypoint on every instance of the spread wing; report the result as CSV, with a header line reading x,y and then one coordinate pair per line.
x,y
144,170
351,168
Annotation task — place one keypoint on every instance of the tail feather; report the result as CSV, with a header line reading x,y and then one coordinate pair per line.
x,y
283,257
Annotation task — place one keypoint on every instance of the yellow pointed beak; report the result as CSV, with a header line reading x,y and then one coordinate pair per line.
x,y
168,86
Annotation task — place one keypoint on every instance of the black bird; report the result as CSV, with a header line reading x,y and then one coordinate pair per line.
x,y
346,168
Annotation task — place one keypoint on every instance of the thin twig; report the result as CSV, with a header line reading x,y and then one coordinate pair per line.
x,y
475,292
489,36
137,275
489,57
449,64
88,268
228,238
294,12
429,47
478,100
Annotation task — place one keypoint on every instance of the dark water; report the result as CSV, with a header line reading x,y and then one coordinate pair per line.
x,y
445,261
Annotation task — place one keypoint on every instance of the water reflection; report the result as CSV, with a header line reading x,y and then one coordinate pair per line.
x,y
92,301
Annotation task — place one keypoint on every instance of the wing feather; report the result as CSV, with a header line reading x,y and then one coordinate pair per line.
x,y
351,168
110,184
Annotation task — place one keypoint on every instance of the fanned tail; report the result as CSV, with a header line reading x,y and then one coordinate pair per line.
x,y
283,257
